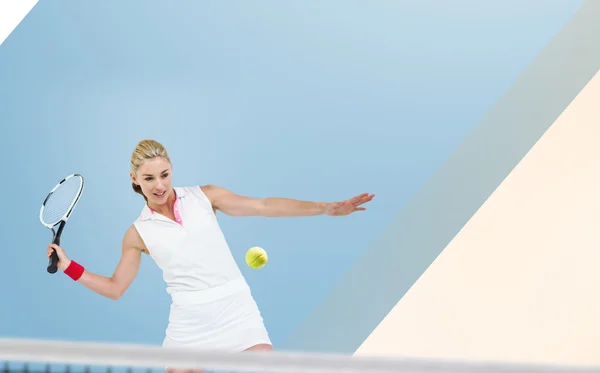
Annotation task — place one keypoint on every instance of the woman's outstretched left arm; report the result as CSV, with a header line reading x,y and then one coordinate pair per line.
x,y
236,205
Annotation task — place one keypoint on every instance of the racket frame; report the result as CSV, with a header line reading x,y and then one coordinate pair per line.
x,y
56,234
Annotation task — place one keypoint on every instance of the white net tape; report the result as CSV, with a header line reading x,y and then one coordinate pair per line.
x,y
77,353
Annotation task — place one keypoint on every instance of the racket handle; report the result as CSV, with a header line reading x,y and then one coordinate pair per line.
x,y
53,262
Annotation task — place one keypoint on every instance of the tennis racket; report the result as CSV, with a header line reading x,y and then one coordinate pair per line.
x,y
57,208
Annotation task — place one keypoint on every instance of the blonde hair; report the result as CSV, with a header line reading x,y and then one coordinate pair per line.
x,y
146,150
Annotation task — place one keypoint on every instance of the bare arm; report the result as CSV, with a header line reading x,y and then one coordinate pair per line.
x,y
233,204
236,205
115,286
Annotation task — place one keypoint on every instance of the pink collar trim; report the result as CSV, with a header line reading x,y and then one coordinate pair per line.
x,y
175,211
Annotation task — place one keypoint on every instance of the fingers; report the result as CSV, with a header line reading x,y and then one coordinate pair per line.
x,y
359,200
359,197
56,247
59,250
362,198
350,205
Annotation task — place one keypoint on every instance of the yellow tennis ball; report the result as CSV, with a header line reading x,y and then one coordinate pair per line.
x,y
256,257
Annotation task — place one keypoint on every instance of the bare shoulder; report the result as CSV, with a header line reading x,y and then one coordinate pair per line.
x,y
133,241
213,192
211,189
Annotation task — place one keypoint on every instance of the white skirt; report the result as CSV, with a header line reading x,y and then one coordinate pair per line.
x,y
225,318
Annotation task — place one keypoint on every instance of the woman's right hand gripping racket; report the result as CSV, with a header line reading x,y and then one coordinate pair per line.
x,y
57,208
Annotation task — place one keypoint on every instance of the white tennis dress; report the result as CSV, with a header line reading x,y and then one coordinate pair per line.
x,y
212,306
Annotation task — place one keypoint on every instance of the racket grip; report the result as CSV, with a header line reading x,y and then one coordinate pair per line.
x,y
53,262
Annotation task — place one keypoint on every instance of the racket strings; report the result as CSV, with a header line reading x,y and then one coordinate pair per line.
x,y
60,201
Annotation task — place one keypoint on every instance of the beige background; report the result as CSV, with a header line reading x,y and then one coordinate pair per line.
x,y
521,281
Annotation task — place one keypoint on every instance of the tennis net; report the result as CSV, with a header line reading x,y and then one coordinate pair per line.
x,y
47,356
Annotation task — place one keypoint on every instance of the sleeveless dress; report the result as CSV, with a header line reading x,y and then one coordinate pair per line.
x,y
212,305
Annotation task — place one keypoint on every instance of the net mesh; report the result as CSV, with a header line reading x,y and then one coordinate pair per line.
x,y
42,356
59,202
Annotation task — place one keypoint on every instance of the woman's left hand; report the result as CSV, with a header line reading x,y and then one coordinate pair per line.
x,y
348,206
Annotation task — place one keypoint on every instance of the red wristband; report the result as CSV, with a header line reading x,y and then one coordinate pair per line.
x,y
74,270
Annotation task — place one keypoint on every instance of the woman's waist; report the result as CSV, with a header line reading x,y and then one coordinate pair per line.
x,y
209,294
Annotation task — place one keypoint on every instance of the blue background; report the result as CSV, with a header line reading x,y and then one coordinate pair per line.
x,y
308,100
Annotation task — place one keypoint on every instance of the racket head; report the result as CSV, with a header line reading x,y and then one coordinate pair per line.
x,y
61,201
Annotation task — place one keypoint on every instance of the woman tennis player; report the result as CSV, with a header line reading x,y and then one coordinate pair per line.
x,y
212,306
